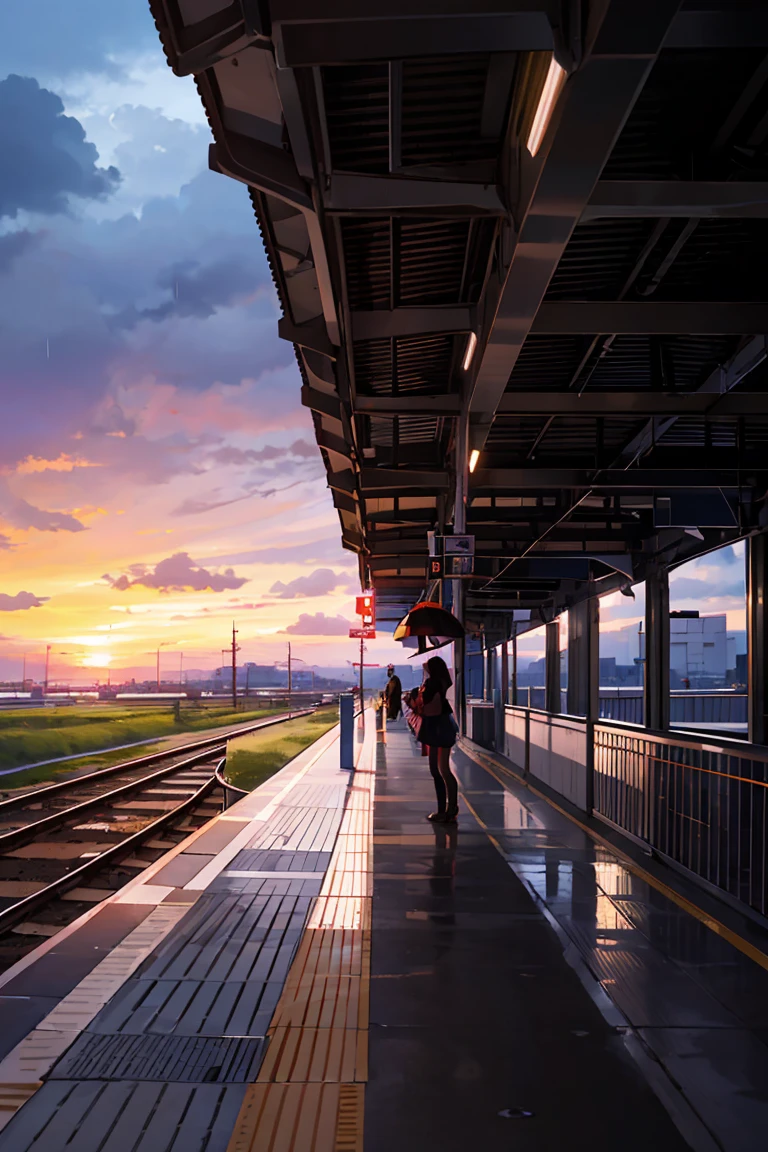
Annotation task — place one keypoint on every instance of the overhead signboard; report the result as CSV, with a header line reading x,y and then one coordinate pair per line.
x,y
458,545
362,633
450,567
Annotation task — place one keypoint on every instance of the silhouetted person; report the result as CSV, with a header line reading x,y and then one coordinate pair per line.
x,y
438,732
393,694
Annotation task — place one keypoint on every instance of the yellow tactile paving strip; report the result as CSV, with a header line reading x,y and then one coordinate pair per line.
x,y
309,1095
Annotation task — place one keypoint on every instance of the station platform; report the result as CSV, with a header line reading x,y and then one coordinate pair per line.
x,y
322,970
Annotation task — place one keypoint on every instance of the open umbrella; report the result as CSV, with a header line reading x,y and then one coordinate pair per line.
x,y
428,621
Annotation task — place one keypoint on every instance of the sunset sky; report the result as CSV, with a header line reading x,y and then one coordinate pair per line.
x,y
158,475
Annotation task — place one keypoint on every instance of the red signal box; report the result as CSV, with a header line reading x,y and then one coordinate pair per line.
x,y
365,605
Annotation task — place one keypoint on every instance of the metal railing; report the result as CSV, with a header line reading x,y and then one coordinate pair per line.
x,y
702,804
724,709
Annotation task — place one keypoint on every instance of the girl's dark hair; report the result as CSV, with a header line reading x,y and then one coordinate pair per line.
x,y
438,669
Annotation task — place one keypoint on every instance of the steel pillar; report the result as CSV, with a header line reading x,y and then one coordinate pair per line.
x,y
584,659
656,667
513,678
504,672
757,635
460,526
552,667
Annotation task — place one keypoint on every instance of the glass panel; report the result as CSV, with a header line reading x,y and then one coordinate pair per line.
x,y
563,646
622,655
531,668
708,643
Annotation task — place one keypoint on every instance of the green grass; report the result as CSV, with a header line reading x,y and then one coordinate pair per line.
x,y
253,759
29,736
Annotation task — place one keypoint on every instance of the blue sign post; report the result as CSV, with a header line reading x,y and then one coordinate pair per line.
x,y
347,733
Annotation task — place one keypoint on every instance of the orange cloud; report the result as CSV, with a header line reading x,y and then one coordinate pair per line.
x,y
63,463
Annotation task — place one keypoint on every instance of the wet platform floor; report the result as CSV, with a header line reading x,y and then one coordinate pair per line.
x,y
323,970
529,992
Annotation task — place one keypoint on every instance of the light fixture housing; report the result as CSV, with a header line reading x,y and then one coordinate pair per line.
x,y
553,86
474,456
471,345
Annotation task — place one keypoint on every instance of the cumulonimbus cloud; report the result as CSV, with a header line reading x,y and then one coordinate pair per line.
x,y
177,573
46,157
317,583
318,624
20,601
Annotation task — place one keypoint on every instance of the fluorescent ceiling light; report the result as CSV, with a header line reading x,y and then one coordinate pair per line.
x,y
549,94
474,456
471,345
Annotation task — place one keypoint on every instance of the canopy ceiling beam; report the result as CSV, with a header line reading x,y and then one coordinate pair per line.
x,y
678,198
558,183
649,317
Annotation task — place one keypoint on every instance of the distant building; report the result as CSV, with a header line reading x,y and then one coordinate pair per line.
x,y
700,651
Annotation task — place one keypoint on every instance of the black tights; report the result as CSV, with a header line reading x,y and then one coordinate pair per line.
x,y
446,784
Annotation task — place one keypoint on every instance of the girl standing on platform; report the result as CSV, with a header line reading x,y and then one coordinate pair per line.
x,y
438,731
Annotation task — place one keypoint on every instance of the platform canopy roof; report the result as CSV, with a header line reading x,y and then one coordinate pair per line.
x,y
578,191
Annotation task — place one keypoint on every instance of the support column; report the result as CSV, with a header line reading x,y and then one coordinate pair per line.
x,y
656,667
504,673
584,659
513,679
757,637
584,679
552,667
459,527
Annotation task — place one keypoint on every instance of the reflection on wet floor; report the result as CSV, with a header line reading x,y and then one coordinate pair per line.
x,y
476,1017
698,1003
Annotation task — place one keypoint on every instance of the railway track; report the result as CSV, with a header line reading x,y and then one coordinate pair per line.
x,y
65,847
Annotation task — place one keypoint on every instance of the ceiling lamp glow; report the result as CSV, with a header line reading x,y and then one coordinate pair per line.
x,y
474,456
471,345
552,88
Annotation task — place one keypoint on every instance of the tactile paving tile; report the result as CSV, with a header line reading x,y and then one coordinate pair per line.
x,y
177,1059
270,860
300,1118
300,830
190,1008
311,795
122,1116
232,937
306,1055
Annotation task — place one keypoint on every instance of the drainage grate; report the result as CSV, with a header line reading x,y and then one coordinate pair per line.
x,y
178,1059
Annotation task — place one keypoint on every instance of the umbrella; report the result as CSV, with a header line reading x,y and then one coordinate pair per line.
x,y
428,621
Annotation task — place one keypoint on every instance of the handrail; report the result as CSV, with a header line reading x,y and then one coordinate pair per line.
x,y
679,737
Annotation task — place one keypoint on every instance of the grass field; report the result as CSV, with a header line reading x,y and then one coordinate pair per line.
x,y
31,735
253,759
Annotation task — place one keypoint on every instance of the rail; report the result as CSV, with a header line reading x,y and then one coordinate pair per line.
x,y
231,792
209,742
21,909
724,709
702,804
27,905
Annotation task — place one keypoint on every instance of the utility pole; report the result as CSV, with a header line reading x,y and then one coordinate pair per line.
x,y
289,679
361,672
181,670
157,670
234,667
47,666
24,672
